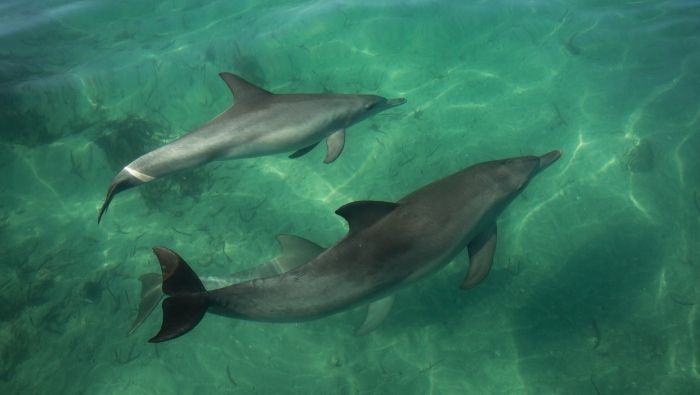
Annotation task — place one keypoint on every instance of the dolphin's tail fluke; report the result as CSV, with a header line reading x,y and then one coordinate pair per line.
x,y
188,300
151,294
123,181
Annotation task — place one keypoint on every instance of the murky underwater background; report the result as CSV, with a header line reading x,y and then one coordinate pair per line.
x,y
595,286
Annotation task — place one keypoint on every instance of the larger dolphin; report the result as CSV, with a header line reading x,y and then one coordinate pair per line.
x,y
388,247
259,123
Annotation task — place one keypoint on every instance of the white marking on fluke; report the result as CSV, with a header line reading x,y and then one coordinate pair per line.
x,y
139,175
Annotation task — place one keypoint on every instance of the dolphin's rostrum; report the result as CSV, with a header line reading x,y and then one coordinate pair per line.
x,y
259,123
388,247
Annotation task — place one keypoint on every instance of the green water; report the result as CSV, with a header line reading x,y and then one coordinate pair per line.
x,y
594,288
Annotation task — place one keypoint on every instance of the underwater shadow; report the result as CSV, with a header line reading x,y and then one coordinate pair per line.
x,y
590,328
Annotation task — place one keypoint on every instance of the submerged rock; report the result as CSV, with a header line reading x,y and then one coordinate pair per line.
x,y
125,139
640,158
92,291
21,124
171,190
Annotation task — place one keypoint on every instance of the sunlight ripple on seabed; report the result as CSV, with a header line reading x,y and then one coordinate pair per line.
x,y
580,145
638,205
677,154
370,158
561,192
662,285
638,113
592,177
691,320
48,186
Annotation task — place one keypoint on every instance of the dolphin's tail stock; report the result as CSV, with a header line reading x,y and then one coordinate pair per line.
x,y
188,301
123,181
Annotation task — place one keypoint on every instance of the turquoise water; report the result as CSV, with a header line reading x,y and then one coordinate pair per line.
x,y
594,288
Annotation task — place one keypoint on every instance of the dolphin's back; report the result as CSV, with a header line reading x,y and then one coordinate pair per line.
x,y
424,232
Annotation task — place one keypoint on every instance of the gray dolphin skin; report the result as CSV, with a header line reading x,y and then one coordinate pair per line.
x,y
388,247
295,252
259,123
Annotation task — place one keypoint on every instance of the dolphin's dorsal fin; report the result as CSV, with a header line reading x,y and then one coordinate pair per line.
x,y
242,90
296,251
376,313
365,213
481,250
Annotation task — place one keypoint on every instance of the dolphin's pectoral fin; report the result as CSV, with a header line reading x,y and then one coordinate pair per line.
x,y
151,293
189,301
303,151
335,143
481,250
242,90
296,251
364,213
376,313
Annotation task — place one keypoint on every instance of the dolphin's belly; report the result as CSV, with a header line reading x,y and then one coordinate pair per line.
x,y
287,138
285,298
262,133
238,136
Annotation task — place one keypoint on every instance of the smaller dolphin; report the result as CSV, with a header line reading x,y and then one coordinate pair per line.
x,y
259,123
389,246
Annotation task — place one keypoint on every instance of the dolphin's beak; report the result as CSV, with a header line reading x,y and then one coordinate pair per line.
x,y
395,102
548,158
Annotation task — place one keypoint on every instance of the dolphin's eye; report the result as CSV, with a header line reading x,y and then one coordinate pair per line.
x,y
369,106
